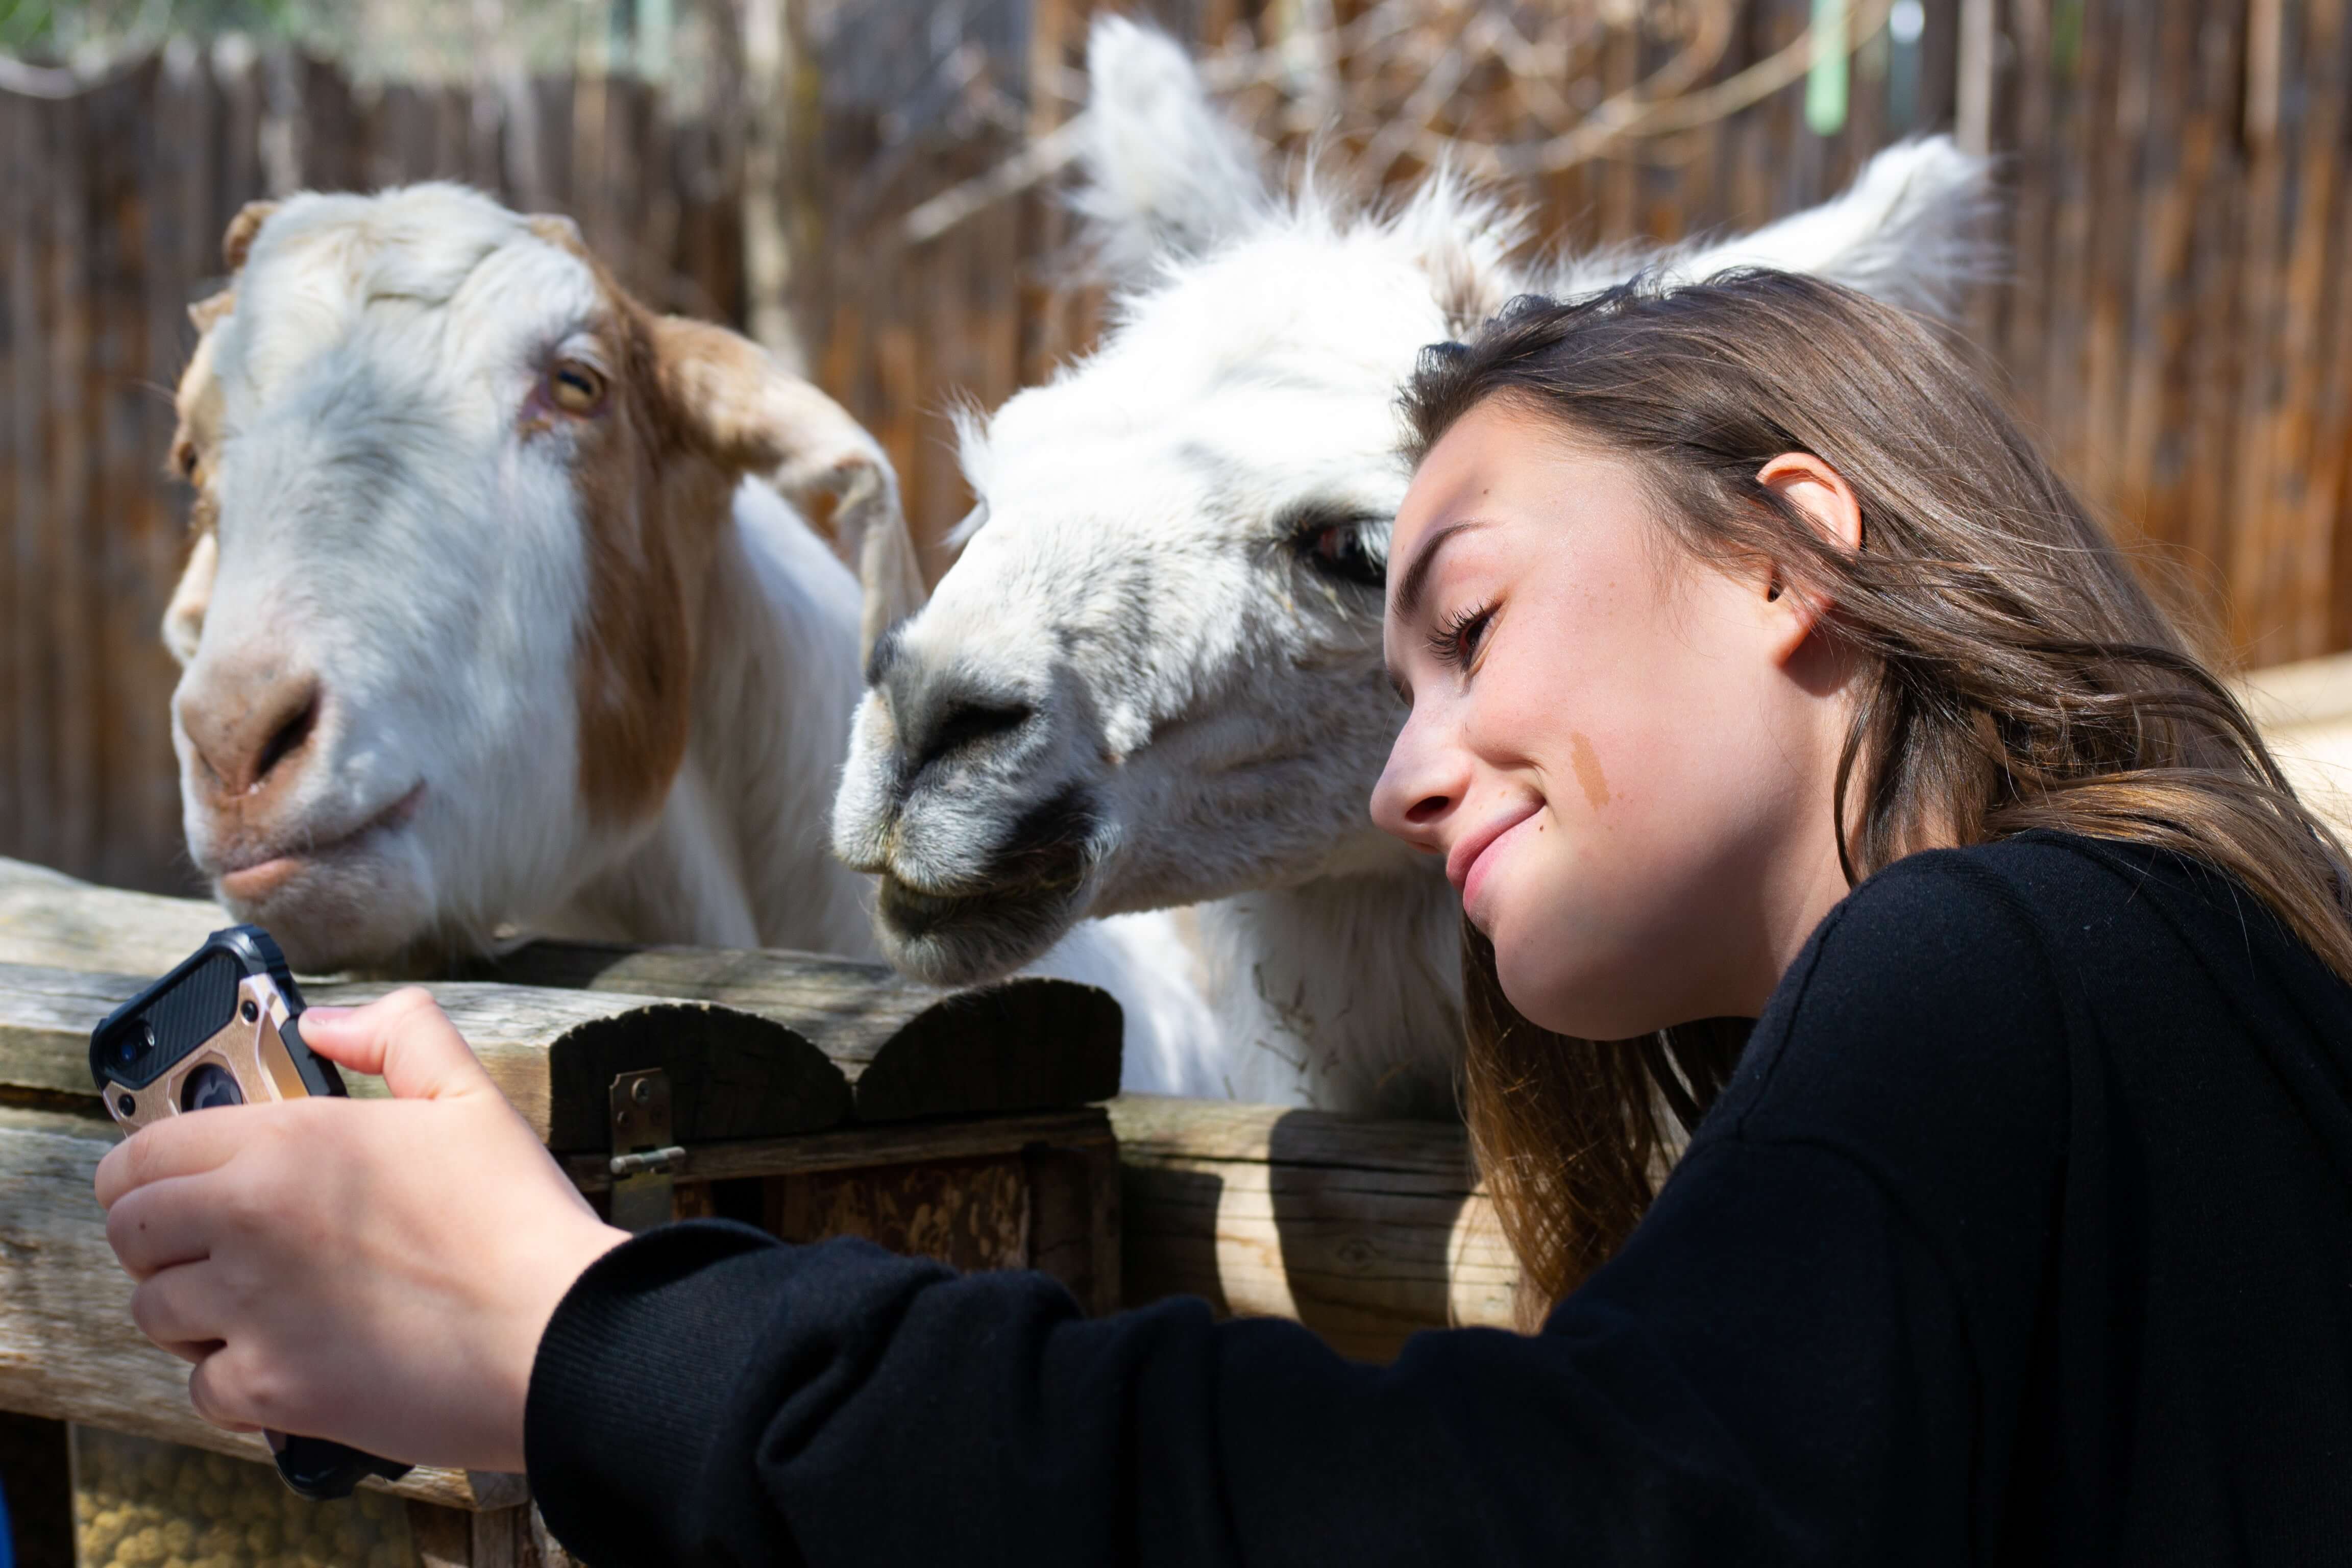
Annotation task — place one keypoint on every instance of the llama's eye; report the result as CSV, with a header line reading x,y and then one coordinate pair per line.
x,y
576,386
1340,551
184,459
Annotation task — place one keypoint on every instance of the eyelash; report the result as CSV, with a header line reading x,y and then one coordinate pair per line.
x,y
1456,640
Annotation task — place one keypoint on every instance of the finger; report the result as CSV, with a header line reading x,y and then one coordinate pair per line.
x,y
216,1388
405,1039
175,1146
180,1310
161,1225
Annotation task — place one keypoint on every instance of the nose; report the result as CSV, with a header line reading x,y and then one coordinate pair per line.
x,y
939,718
250,722
1418,789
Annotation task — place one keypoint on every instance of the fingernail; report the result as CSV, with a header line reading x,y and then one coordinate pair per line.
x,y
325,1014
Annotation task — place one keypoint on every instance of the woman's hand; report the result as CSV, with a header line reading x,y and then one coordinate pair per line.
x,y
374,1272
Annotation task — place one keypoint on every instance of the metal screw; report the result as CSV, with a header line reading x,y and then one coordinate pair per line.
x,y
126,1104
643,1092
249,1011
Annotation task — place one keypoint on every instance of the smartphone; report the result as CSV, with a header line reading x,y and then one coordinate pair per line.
x,y
224,1028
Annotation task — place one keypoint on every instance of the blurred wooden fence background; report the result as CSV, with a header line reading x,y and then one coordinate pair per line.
x,y
2176,202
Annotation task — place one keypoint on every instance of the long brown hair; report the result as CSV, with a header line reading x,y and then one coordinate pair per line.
x,y
2016,674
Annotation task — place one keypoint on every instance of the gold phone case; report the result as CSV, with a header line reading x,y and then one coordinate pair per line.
x,y
251,1050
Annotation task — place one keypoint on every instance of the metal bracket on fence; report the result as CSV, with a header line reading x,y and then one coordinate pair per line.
x,y
644,1191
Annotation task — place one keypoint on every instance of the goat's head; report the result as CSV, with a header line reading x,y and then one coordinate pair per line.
x,y
1154,677
460,496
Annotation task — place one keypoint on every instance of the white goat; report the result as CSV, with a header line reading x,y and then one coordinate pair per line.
x,y
1154,677
499,620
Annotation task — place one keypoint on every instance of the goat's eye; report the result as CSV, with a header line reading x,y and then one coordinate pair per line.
x,y
576,386
184,459
1340,550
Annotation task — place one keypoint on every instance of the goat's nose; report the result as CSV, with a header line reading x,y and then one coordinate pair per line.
x,y
247,723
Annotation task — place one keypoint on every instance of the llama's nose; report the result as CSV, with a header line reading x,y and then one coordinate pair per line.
x,y
250,723
962,719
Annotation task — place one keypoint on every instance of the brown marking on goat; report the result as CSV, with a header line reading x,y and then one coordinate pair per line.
x,y
237,240
654,491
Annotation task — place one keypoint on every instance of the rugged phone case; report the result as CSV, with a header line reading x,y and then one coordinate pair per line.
x,y
228,1014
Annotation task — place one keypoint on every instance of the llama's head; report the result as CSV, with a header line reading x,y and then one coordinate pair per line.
x,y
1154,677
460,495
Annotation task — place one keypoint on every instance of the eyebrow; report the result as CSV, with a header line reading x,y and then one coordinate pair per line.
x,y
1415,581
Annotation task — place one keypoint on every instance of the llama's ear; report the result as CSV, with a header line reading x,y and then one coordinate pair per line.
x,y
237,240
1910,229
756,417
1166,172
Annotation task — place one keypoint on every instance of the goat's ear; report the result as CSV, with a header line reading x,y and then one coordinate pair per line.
x,y
756,417
183,617
237,240
1166,172
212,310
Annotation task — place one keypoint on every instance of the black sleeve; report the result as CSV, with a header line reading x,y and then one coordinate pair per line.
x,y
1779,1367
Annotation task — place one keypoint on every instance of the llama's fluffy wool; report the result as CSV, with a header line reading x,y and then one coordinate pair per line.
x,y
1170,676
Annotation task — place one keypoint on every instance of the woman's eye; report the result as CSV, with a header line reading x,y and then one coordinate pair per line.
x,y
1456,640
575,387
1339,550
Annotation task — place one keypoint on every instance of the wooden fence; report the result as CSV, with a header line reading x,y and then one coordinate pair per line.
x,y
2176,320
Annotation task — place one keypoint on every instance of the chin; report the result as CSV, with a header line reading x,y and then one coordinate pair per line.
x,y
356,910
969,939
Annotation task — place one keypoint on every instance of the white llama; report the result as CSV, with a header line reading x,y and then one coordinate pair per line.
x,y
498,619
1154,677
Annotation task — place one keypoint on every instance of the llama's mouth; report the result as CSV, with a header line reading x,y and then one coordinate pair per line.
x,y
914,915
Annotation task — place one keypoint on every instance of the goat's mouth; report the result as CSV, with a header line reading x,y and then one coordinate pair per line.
x,y
254,873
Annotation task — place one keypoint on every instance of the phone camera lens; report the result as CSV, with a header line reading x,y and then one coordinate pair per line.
x,y
133,1041
208,1086
248,1012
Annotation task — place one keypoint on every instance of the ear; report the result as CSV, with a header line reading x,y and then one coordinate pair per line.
x,y
1820,494
183,617
1167,174
1464,240
236,241
212,311
755,418
1909,230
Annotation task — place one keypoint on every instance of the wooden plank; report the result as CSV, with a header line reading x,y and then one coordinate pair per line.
x,y
33,318
19,465
1366,1232
909,1051
69,1349
855,1148
553,1053
906,1050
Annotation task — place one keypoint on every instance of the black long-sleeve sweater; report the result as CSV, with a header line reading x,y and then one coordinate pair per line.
x,y
2023,1232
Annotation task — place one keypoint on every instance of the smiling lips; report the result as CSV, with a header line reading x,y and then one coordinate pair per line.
x,y
1474,857
258,877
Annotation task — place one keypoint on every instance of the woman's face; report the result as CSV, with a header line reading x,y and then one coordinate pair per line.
x,y
1626,756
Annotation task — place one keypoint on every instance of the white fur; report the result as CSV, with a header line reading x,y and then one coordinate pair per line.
x,y
1208,709
386,524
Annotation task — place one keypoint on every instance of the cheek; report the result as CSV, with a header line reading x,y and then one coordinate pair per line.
x,y
1664,781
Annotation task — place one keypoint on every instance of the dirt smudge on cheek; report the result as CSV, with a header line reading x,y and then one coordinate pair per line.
x,y
1589,776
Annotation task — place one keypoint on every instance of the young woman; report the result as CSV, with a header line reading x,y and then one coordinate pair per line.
x,y
1758,670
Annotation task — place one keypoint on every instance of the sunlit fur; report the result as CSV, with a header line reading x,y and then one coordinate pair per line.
x,y
1173,681
388,519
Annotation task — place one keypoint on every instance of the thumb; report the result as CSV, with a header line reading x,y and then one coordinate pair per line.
x,y
403,1038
